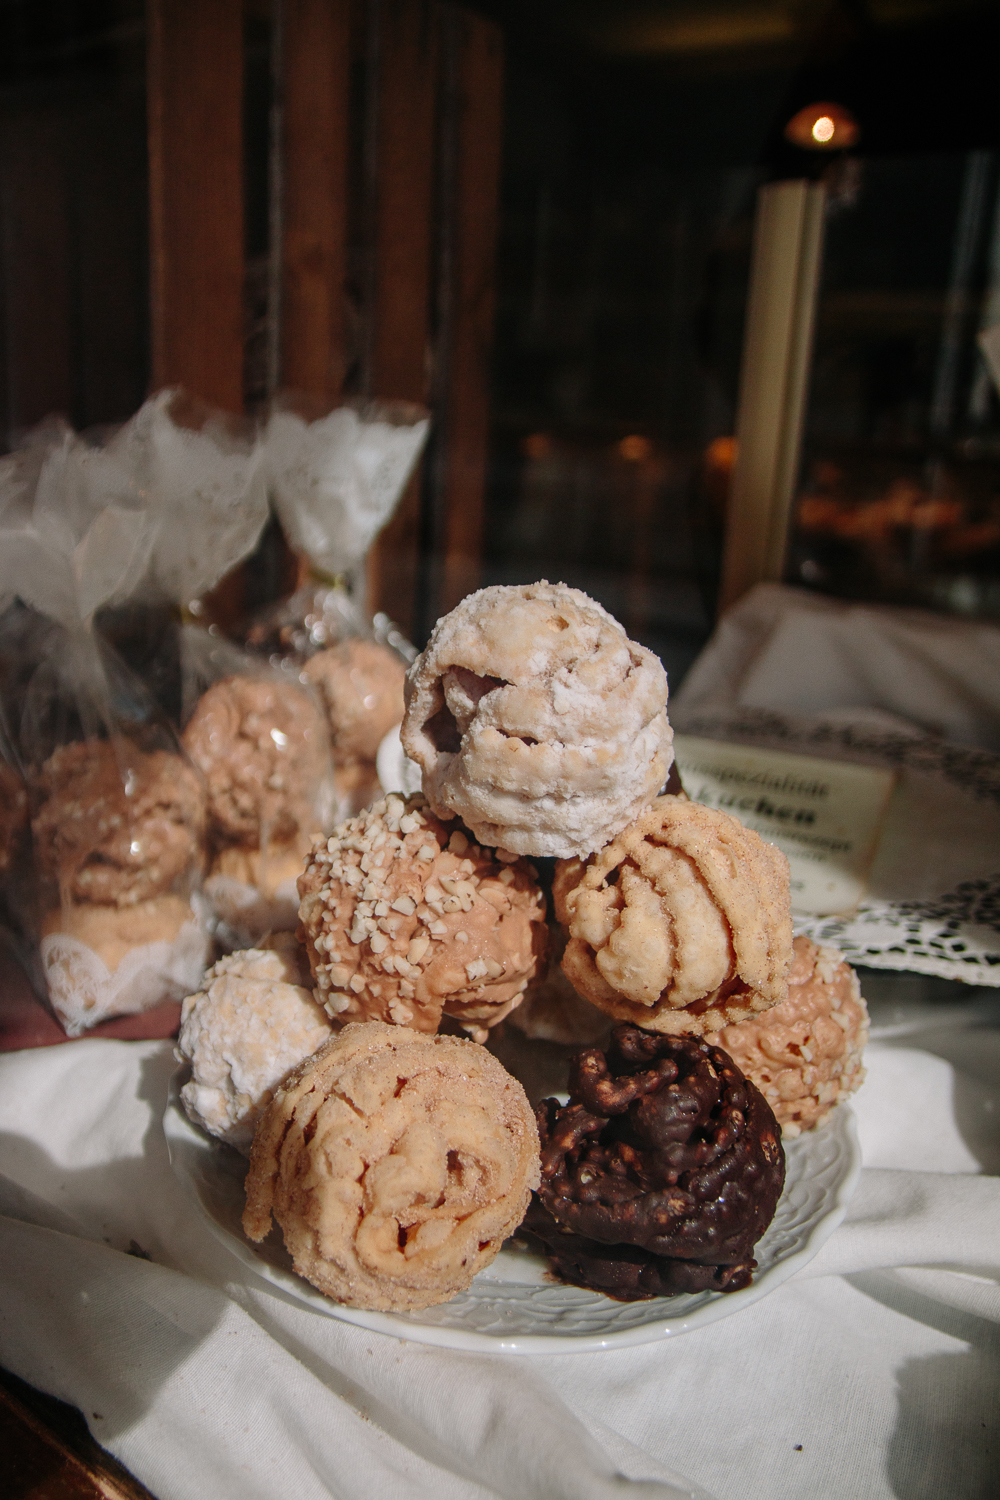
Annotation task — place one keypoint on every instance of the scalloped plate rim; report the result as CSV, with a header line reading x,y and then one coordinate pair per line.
x,y
183,1137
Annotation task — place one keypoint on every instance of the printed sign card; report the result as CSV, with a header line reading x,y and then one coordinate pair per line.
x,y
824,815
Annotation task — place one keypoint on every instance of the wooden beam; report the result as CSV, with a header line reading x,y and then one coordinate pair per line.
x,y
37,275
777,350
471,153
195,94
403,49
316,63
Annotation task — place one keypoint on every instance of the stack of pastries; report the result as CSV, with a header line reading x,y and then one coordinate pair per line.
x,y
538,876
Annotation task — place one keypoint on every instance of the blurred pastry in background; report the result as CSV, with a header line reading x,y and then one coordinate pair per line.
x,y
263,748
361,685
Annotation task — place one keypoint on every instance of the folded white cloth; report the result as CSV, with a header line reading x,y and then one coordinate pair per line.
x,y
872,1374
795,652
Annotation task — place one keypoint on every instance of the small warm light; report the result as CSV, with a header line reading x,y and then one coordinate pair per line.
x,y
721,454
635,448
823,127
537,445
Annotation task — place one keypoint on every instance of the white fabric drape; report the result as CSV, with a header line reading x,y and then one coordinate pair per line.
x,y
871,1374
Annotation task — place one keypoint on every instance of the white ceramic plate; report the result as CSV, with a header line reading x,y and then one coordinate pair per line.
x,y
514,1305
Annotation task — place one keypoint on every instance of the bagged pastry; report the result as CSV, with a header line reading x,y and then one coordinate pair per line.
x,y
202,475
259,738
336,478
117,814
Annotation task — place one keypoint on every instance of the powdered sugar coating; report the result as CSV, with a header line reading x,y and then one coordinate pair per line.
x,y
537,721
405,918
805,1053
396,1164
681,924
245,1029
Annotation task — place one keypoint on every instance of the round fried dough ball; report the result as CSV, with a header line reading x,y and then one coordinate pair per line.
x,y
537,720
361,684
805,1053
115,825
396,1164
246,1028
405,918
682,924
262,747
552,1011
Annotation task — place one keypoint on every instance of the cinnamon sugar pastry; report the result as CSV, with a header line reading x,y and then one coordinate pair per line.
x,y
537,721
681,924
396,1164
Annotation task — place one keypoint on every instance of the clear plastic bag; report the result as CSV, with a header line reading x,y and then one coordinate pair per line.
x,y
336,477
117,813
259,738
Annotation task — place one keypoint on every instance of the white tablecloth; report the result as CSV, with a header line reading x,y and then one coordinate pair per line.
x,y
871,1374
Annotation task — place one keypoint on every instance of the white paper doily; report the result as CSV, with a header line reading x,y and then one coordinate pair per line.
x,y
84,991
515,1306
934,905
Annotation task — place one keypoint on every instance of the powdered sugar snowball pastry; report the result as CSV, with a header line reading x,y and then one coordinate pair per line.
x,y
681,924
246,1028
396,1164
537,721
805,1053
405,917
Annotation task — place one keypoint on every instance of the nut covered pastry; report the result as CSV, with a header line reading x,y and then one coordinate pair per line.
x,y
681,924
114,825
361,684
537,721
250,1023
805,1053
406,917
396,1164
262,747
660,1174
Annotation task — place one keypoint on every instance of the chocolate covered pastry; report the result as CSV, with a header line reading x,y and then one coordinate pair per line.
x,y
681,924
115,826
405,917
250,1023
396,1164
361,684
660,1174
537,721
805,1053
262,747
